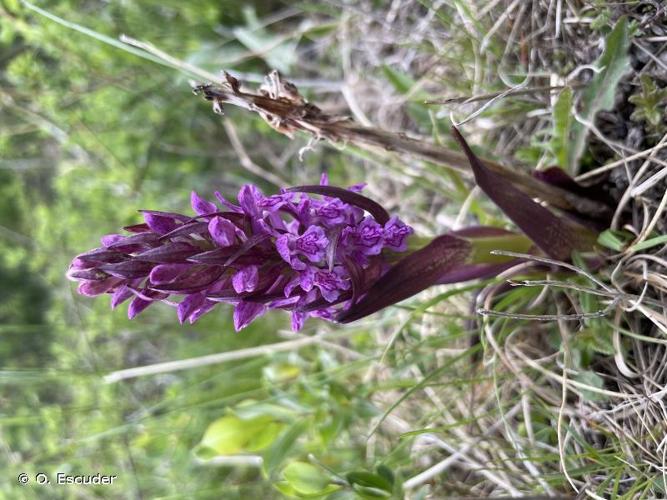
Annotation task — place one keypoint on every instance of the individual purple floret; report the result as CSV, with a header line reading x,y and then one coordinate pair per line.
x,y
311,250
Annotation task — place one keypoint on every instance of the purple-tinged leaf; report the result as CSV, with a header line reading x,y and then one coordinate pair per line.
x,y
92,288
134,243
203,309
372,207
136,306
109,239
219,256
557,236
334,238
412,274
239,219
249,196
196,281
101,255
168,215
226,203
137,228
246,279
186,229
356,276
321,303
129,269
481,232
253,241
159,223
298,319
226,294
166,273
87,274
168,253
120,295
594,204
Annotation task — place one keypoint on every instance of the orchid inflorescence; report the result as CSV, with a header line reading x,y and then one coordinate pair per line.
x,y
313,256
326,251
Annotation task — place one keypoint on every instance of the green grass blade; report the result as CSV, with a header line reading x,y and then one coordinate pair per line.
x,y
599,95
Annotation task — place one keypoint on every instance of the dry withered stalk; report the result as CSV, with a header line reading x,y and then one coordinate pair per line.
x,y
281,105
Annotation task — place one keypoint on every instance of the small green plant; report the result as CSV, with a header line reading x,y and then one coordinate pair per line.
x,y
650,104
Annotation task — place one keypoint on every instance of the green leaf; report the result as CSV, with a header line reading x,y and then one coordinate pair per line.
x,y
386,473
252,409
289,491
343,495
658,483
305,478
331,428
370,492
402,82
281,447
562,118
599,95
594,380
595,339
368,479
615,240
230,435
652,242
649,103
286,489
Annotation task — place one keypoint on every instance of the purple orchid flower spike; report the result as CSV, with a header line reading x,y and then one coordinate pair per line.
x,y
314,250
310,250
